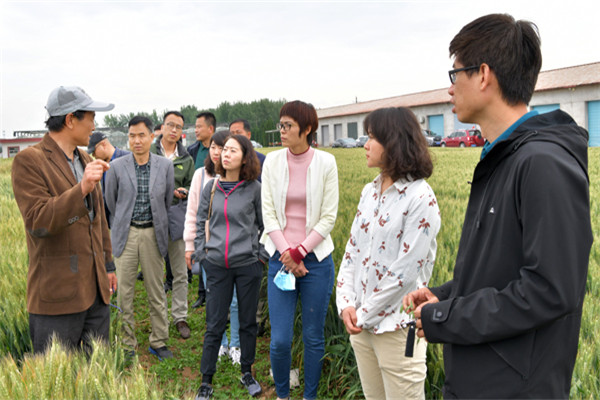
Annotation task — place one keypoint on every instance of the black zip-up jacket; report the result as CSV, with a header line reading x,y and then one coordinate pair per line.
x,y
510,317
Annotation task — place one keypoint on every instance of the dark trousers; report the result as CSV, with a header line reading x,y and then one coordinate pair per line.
x,y
73,330
219,291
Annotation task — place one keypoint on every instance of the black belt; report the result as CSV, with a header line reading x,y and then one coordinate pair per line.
x,y
141,224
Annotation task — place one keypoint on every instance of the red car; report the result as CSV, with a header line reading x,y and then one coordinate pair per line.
x,y
464,138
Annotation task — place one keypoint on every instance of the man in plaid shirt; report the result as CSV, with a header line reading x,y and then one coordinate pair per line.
x,y
139,191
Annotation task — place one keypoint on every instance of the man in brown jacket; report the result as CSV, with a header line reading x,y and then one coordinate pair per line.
x,y
71,272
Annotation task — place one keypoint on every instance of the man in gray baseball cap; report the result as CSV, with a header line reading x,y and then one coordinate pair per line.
x,y
67,99
71,271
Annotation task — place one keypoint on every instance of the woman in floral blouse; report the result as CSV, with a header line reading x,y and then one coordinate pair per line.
x,y
391,252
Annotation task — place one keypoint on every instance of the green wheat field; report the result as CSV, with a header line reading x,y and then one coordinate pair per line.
x,y
107,374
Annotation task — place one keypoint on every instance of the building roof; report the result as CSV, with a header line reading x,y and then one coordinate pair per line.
x,y
20,140
562,78
580,75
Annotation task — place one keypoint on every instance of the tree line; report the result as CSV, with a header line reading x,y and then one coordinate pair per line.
x,y
262,114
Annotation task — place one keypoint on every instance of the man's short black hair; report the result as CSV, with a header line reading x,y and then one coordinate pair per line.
x,y
56,124
209,118
243,121
180,115
158,127
510,48
141,119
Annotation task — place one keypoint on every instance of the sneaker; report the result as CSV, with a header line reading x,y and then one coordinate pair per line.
x,y
140,276
168,286
251,384
223,351
235,354
162,352
184,329
205,392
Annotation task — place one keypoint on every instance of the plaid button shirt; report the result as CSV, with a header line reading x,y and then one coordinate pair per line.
x,y
141,209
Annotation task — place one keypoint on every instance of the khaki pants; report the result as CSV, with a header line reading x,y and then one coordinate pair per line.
x,y
179,304
142,248
385,373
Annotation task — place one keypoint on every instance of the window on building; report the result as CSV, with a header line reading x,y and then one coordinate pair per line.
x,y
353,130
13,150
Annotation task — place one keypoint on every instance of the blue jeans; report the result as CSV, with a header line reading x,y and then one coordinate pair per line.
x,y
234,322
314,291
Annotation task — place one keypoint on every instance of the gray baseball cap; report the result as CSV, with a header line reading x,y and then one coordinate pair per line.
x,y
67,99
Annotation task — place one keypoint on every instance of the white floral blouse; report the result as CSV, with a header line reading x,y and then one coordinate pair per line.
x,y
391,252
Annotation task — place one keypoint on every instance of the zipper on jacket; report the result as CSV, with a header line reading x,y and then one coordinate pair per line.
x,y
227,220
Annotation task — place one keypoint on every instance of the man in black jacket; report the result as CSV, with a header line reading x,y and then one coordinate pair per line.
x,y
510,318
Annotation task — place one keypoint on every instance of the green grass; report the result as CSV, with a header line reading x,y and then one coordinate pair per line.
x,y
180,378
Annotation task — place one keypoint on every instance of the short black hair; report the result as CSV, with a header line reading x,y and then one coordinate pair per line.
x,y
56,123
510,48
158,127
141,119
305,116
244,122
180,115
209,118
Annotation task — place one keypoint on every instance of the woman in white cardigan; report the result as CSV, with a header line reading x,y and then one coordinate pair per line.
x,y
299,203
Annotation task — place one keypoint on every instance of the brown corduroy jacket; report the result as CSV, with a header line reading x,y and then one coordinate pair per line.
x,y
69,255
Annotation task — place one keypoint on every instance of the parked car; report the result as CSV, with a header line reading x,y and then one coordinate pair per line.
x,y
360,142
432,138
464,138
256,145
344,142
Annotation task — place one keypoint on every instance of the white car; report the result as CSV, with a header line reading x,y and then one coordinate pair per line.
x,y
360,142
256,145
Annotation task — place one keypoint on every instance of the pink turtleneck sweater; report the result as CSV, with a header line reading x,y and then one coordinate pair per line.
x,y
294,232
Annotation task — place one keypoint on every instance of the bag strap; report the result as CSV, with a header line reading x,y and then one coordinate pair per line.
x,y
212,195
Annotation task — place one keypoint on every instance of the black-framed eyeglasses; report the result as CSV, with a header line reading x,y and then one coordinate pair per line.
x,y
286,126
452,72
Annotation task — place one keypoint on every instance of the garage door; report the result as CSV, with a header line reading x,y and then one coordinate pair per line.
x,y
337,131
325,135
593,112
546,108
436,124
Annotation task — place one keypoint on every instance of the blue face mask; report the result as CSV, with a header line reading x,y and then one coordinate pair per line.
x,y
285,280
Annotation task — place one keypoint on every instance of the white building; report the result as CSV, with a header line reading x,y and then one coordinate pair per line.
x,y
575,90
10,147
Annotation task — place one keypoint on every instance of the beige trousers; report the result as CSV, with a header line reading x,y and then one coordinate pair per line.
x,y
385,373
141,248
179,303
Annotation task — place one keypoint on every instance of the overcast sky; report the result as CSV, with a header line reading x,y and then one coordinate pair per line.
x,y
163,55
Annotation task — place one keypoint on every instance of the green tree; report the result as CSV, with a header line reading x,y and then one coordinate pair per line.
x,y
262,115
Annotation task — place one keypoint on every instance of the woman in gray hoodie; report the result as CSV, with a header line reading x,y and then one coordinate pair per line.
x,y
231,256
